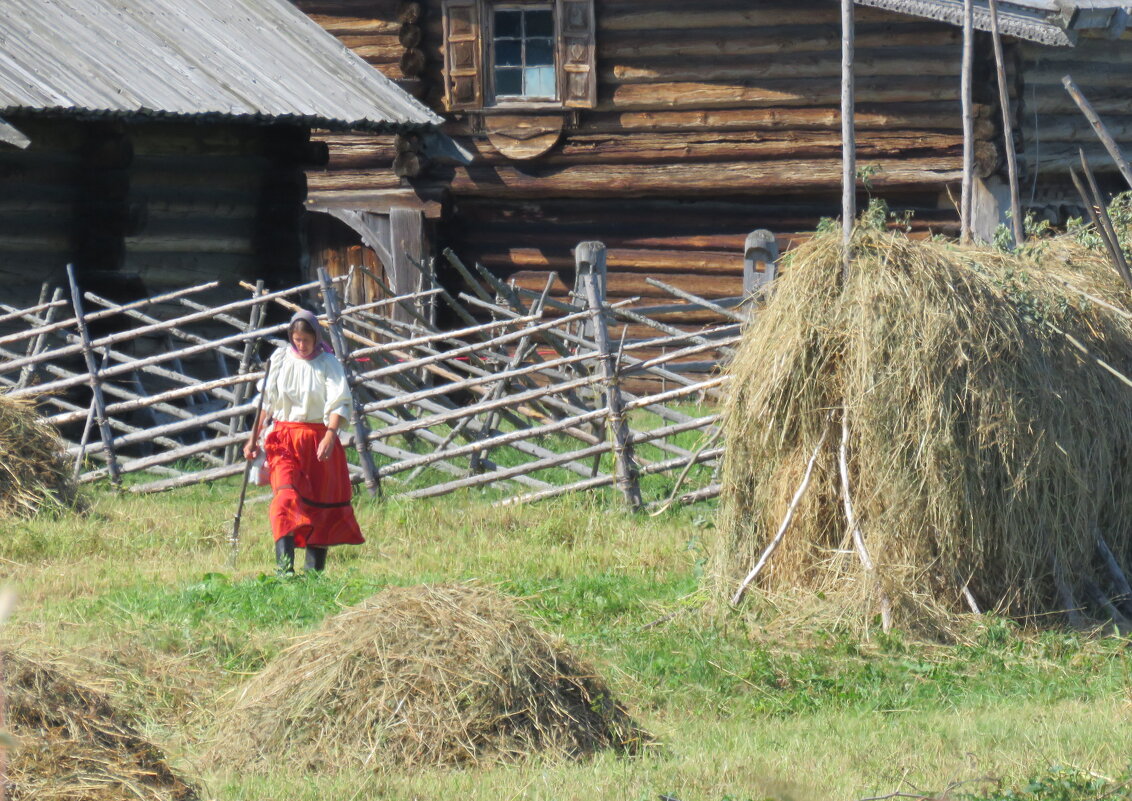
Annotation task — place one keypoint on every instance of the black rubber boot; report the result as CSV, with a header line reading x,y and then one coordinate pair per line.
x,y
284,556
316,558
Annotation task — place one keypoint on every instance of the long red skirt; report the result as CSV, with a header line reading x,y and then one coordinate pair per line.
x,y
312,498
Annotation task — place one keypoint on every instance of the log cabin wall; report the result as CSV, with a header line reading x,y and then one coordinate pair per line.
x,y
39,193
150,206
711,119
1053,128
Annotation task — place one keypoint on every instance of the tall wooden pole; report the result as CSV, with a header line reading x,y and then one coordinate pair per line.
x,y
592,284
1098,127
95,379
966,203
848,142
338,340
1007,127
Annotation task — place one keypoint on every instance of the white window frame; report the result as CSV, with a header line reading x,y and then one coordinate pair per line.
x,y
492,99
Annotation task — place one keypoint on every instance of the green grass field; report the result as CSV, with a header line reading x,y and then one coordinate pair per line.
x,y
138,594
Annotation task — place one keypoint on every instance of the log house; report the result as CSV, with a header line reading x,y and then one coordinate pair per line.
x,y
163,143
670,130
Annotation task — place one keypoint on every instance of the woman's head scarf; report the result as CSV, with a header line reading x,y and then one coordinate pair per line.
x,y
319,345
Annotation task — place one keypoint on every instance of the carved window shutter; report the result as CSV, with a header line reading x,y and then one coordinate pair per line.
x,y
463,46
577,81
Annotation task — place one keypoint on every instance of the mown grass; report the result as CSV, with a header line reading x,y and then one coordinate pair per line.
x,y
139,593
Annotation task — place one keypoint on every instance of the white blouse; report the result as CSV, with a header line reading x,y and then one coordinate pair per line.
x,y
306,391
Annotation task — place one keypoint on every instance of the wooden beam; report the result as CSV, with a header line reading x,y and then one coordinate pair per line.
x,y
848,138
1007,127
966,204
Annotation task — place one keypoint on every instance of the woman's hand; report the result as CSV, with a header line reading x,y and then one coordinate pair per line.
x,y
326,446
251,450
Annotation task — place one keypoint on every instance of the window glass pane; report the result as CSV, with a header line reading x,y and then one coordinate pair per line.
x,y
540,52
540,23
538,82
508,82
509,54
508,24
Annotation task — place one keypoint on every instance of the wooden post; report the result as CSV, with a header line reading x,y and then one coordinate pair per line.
x,y
86,428
1099,127
357,419
1094,204
848,140
38,343
95,380
255,319
625,471
590,263
1007,128
966,203
760,260
406,233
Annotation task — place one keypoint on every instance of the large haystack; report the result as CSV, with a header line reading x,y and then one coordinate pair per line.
x,y
430,675
987,458
33,471
73,745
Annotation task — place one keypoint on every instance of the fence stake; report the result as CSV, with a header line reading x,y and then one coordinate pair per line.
x,y
38,344
361,430
86,427
624,469
95,381
255,319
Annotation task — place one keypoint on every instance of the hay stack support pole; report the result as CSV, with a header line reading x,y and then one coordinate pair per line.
x,y
590,257
95,380
1065,593
1106,229
965,84
1119,580
361,429
1099,127
848,137
1007,127
786,519
855,528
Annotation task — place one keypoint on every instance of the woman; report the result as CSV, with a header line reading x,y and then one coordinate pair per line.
x,y
308,399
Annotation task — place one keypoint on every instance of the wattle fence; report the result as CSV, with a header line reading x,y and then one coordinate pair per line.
x,y
537,396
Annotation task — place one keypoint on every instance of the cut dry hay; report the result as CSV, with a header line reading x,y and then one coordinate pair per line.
x,y
987,456
74,745
34,474
429,675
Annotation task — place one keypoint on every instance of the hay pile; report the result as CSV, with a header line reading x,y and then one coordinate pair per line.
x,y
33,471
73,745
987,459
430,675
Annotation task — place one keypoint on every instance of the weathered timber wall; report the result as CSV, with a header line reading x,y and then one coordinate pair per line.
x,y
1052,128
713,119
148,206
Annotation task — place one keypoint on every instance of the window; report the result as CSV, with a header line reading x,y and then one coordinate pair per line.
x,y
523,53
516,54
